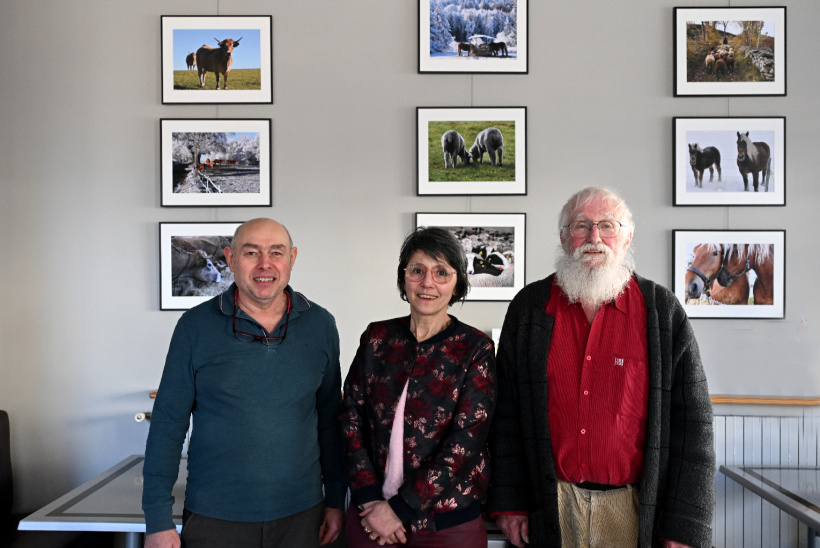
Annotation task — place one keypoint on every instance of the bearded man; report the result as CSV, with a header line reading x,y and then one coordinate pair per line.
x,y
603,427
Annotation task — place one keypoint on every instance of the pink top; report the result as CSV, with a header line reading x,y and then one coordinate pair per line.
x,y
394,467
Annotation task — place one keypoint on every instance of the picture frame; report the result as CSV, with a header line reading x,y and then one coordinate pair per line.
x,y
495,244
502,172
249,77
751,62
708,148
193,267
463,43
233,168
730,274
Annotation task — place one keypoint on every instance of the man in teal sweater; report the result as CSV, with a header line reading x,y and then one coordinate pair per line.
x,y
257,368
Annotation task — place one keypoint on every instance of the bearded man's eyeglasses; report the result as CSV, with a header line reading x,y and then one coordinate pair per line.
x,y
581,229
250,337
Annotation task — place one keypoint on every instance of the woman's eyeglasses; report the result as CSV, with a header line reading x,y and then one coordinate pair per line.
x,y
417,271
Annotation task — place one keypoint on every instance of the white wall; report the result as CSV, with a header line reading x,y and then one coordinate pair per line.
x,y
82,340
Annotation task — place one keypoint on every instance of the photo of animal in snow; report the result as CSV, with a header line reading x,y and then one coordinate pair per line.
x,y
468,153
219,162
216,59
193,266
495,251
727,161
471,36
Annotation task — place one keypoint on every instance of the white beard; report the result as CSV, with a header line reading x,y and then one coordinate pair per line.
x,y
593,286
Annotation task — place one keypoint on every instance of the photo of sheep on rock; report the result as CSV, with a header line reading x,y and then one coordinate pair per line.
x,y
730,51
193,267
494,249
198,266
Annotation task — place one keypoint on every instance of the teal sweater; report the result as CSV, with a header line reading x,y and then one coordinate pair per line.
x,y
265,439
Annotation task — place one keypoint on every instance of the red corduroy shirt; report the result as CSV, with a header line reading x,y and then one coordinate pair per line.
x,y
598,388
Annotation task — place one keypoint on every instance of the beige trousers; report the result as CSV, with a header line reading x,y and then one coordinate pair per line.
x,y
598,519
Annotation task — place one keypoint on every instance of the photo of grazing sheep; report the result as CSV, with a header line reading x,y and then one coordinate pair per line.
x,y
490,141
490,138
453,146
471,151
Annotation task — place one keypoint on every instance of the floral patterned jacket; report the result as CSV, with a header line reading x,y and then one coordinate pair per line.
x,y
449,407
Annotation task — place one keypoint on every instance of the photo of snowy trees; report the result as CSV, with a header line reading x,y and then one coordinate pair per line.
x,y
473,36
215,162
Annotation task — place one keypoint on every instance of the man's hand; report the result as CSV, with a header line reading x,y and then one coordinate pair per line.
x,y
331,526
517,528
163,539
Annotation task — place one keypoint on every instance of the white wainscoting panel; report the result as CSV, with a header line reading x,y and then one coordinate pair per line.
x,y
743,519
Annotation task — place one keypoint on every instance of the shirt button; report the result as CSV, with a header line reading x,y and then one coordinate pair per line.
x,y
586,392
583,431
589,358
583,465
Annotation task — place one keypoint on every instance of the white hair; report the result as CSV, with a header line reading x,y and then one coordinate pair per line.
x,y
620,211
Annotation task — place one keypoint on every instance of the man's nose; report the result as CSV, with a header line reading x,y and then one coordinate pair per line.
x,y
594,235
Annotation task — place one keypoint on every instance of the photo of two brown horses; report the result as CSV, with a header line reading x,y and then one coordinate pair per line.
x,y
726,274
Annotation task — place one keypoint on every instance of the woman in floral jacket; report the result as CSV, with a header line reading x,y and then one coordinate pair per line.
x,y
419,399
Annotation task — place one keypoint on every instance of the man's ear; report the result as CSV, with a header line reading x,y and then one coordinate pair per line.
x,y
229,257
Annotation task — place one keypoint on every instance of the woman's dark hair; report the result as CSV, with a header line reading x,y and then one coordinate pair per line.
x,y
437,243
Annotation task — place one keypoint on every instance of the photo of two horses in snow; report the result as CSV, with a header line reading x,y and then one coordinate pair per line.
x,y
753,158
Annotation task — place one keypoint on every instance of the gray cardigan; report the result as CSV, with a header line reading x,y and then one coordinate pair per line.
x,y
677,489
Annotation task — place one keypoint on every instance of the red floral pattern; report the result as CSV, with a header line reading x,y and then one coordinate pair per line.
x,y
450,403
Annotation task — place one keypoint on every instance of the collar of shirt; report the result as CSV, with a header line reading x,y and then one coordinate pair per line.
x,y
298,302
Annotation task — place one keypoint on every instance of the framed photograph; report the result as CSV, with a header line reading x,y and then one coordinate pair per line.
x,y
465,151
729,161
730,273
217,59
192,264
473,37
730,51
495,246
217,162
